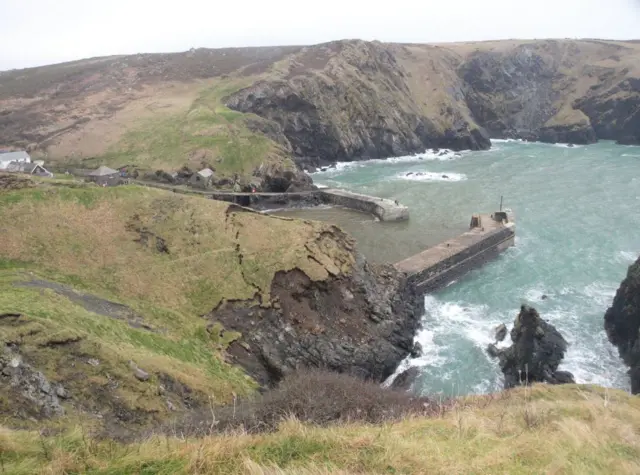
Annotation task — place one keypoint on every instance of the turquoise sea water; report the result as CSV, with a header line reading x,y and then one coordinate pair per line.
x,y
578,229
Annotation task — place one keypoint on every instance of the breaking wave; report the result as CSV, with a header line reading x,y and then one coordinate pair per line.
x,y
431,176
427,155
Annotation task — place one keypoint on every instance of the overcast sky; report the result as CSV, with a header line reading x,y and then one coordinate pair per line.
x,y
35,32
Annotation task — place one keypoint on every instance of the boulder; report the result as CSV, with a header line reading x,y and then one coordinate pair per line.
x,y
622,323
28,387
141,375
537,351
405,380
501,332
493,350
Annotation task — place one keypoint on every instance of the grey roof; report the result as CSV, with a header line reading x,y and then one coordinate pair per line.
x,y
103,171
14,156
206,173
22,167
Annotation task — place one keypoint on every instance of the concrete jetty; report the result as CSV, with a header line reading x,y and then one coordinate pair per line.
x,y
382,208
488,236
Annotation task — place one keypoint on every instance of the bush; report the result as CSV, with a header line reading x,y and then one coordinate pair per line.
x,y
312,396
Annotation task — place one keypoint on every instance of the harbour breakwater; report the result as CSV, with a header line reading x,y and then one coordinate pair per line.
x,y
488,236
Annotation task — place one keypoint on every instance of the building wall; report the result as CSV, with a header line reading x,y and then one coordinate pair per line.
x,y
5,164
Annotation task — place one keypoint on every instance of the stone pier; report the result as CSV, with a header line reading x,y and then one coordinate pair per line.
x,y
382,208
488,236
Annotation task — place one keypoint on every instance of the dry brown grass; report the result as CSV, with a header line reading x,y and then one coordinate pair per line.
x,y
106,130
577,430
92,235
102,242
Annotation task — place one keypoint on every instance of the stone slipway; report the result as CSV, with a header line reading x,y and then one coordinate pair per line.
x,y
439,265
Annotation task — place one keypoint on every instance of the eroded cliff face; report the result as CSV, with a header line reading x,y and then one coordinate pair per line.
x,y
360,321
614,108
622,323
520,93
353,100
345,100
356,100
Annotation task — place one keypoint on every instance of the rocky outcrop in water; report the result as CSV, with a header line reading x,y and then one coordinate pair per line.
x,y
622,323
362,323
537,351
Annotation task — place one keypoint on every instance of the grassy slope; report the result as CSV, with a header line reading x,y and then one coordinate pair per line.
x,y
543,429
165,111
93,239
206,134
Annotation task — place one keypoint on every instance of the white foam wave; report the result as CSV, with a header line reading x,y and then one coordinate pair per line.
x,y
601,293
429,154
626,257
566,145
448,319
590,358
431,176
526,142
507,141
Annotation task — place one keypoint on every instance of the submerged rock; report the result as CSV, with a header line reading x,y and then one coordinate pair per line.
x,y
537,351
622,323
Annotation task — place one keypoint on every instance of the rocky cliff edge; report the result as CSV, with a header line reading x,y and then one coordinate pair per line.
x,y
622,323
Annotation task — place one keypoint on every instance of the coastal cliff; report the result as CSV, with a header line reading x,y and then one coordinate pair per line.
x,y
622,323
246,110
361,323
142,305
356,100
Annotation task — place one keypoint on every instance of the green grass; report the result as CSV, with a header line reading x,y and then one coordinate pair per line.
x,y
216,135
92,239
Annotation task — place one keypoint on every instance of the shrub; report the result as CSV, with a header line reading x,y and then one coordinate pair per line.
x,y
312,396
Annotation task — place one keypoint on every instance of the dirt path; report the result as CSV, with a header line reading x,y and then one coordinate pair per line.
x,y
92,303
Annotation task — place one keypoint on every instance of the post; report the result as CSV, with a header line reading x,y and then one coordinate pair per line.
x,y
500,202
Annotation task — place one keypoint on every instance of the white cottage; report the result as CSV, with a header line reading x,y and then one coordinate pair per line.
x,y
19,157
